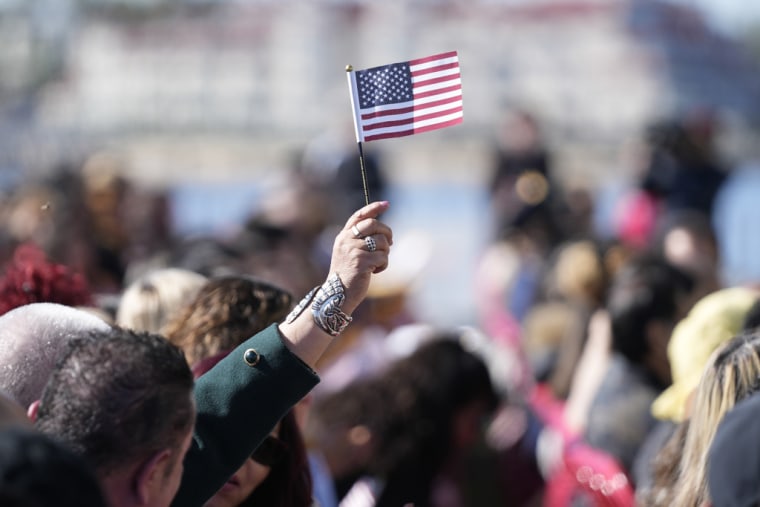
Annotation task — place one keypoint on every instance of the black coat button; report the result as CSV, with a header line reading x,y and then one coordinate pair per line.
x,y
251,357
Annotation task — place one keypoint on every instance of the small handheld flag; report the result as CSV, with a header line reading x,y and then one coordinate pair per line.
x,y
405,98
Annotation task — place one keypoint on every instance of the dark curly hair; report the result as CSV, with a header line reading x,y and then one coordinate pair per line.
x,y
226,311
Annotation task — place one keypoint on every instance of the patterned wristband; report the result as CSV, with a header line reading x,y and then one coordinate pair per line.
x,y
325,308
301,306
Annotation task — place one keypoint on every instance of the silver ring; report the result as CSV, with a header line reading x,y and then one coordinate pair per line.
x,y
371,244
356,231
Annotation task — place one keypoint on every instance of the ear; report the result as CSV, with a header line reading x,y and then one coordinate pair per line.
x,y
148,477
31,412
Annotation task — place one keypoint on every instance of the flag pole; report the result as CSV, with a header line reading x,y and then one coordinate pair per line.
x,y
364,173
354,99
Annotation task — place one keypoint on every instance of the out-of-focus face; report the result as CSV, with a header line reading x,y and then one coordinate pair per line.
x,y
247,478
240,486
468,425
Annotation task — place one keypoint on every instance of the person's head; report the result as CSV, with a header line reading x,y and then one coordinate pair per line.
x,y
414,416
225,312
646,299
36,471
252,474
151,301
341,429
438,400
715,319
277,473
732,374
32,338
579,273
443,379
733,471
687,239
123,401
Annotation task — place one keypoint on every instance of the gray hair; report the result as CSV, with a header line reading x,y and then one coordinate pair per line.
x,y
32,339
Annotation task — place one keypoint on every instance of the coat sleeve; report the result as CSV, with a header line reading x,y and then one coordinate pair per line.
x,y
237,406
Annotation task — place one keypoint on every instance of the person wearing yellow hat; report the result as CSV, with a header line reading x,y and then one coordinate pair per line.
x,y
731,375
713,321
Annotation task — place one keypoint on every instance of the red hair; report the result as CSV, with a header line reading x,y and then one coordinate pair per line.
x,y
31,278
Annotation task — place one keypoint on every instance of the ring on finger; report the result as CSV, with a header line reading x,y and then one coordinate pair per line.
x,y
371,243
356,231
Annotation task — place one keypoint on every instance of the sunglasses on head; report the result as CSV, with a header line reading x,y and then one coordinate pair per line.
x,y
270,452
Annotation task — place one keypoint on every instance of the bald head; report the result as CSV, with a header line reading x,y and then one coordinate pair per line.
x,y
32,338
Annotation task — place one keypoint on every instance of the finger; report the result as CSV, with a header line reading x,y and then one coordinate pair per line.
x,y
372,227
381,243
372,210
381,267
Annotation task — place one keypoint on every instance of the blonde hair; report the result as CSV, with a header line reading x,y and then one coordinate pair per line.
x,y
579,272
732,374
151,301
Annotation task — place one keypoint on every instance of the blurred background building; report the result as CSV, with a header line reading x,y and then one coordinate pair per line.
x,y
210,97
251,80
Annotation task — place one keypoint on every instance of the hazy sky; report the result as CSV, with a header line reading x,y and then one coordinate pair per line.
x,y
729,14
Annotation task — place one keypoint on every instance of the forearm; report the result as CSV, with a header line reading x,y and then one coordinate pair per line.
x,y
304,338
353,264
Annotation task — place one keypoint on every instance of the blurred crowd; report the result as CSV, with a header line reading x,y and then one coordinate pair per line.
x,y
609,352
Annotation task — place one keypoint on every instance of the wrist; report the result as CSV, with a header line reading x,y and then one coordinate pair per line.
x,y
326,305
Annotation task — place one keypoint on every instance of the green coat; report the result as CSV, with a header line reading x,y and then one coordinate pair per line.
x,y
238,405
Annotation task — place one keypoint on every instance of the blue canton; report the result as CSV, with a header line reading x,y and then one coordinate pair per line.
x,y
389,84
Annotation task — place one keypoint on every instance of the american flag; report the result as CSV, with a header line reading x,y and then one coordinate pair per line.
x,y
406,98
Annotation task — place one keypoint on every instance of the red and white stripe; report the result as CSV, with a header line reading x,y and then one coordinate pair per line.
x,y
436,102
